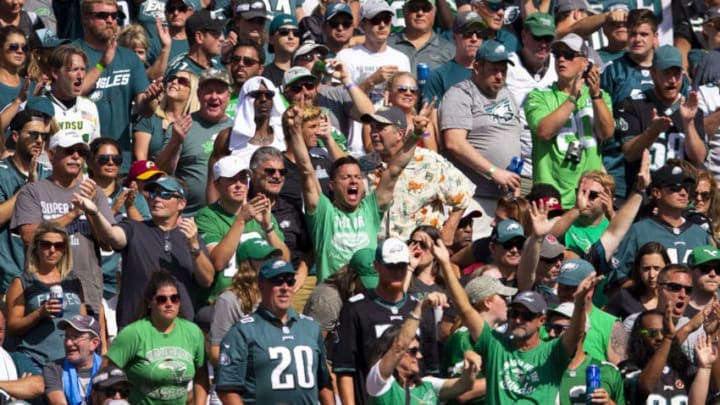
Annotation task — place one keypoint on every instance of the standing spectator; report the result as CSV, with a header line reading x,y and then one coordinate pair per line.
x,y
176,15
568,120
283,41
493,14
337,28
205,39
417,40
274,338
706,71
706,201
578,17
245,61
172,15
12,13
13,89
480,122
616,31
248,22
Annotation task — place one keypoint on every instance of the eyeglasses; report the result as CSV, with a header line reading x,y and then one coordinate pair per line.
x,y
675,287
245,60
543,38
704,195
46,245
297,87
556,328
14,47
105,159
415,7
268,94
708,267
675,188
111,392
381,19
77,339
35,134
270,171
337,23
567,55
242,177
79,149
480,34
287,31
162,299
164,195
552,260
402,89
179,7
513,243
495,7
413,351
309,57
283,279
103,15
524,315
183,81
419,242
652,332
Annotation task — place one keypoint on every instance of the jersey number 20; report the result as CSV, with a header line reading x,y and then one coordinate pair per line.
x,y
303,357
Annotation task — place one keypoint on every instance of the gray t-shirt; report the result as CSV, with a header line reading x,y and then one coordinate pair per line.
x,y
45,201
338,101
493,127
52,374
227,312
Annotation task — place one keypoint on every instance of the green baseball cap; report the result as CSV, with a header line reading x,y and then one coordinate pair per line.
x,y
274,268
362,263
540,24
280,20
507,230
667,57
493,50
257,249
703,254
574,271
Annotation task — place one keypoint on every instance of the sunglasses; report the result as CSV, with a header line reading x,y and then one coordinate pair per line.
x,y
297,87
653,332
402,89
337,23
557,328
385,20
283,279
705,196
164,195
287,31
35,134
415,7
105,159
256,20
480,34
309,57
246,61
543,38
524,315
110,392
180,7
675,188
675,287
270,171
46,245
14,47
103,15
708,267
183,81
567,55
513,243
162,299
79,149
495,7
268,94
413,351
419,242
552,260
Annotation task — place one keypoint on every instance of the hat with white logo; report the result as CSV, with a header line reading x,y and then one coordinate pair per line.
x,y
703,254
531,300
574,271
507,230
66,138
493,50
392,251
274,268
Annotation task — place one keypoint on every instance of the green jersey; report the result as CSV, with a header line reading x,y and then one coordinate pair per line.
x,y
389,392
159,365
579,238
572,386
268,362
454,356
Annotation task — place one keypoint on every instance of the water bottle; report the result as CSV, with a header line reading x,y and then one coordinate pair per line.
x,y
56,293
592,381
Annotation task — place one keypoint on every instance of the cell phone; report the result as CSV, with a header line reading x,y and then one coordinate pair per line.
x,y
588,69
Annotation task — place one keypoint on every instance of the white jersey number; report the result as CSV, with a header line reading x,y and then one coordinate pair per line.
x,y
303,357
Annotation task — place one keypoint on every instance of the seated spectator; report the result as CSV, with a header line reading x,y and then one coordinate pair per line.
x,y
704,263
133,36
493,14
615,30
25,387
426,277
33,314
706,203
110,385
68,380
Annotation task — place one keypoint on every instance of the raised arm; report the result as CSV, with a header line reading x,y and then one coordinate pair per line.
x,y
652,371
455,387
573,335
108,234
531,251
292,127
706,354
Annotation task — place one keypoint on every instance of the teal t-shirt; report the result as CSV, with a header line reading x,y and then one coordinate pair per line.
x,y
579,238
444,77
153,126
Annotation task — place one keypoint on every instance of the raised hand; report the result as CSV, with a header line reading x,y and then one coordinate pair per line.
x,y
586,286
181,126
668,324
189,229
593,80
437,248
294,119
109,54
705,352
539,218
659,124
643,177
88,189
689,106
435,299
163,33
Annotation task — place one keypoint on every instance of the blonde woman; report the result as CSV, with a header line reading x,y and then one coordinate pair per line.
x,y
32,316
133,37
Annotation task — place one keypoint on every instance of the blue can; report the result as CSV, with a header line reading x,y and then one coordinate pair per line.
x,y
516,165
423,72
592,381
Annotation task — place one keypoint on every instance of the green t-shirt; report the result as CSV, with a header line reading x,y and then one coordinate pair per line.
x,y
597,338
520,376
422,394
159,366
213,224
549,164
572,386
452,361
579,238
337,234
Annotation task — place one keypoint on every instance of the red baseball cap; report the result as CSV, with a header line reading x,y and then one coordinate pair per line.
x,y
143,170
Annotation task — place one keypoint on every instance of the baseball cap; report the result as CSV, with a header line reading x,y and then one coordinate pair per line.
x,y
572,41
294,74
392,251
669,175
467,20
81,323
309,46
574,271
703,254
66,138
467,218
426,1
362,263
372,8
143,170
213,74
565,309
280,20
274,268
40,104
167,183
506,230
109,376
387,115
551,247
540,24
569,5
256,249
249,9
493,50
482,287
531,300
666,57
333,9
229,166
45,38
625,5
204,20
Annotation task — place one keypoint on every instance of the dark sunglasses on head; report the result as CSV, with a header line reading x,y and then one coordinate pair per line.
x,y
675,287
269,94
177,7
288,279
704,195
517,243
543,38
246,61
413,351
552,260
14,47
163,194
708,267
415,7
283,32
183,81
106,158
80,149
565,54
103,15
270,171
297,87
652,332
309,57
381,19
402,89
110,392
338,22
524,315
161,299
46,244
419,242
675,188
558,328
480,34
35,134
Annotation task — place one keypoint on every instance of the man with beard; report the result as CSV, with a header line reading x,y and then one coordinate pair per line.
x,y
205,40
704,261
172,14
246,60
417,40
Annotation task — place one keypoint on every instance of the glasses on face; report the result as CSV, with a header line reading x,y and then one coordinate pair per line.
x,y
552,260
706,268
339,22
77,339
524,315
402,89
177,7
675,188
245,60
105,159
297,87
386,19
309,57
513,243
270,171
162,194
183,81
419,242
652,332
162,299
16,46
257,20
675,287
79,149
480,34
415,7
104,15
413,351
556,328
283,32
565,54
703,195
283,279
46,245
268,94
35,134
543,38
495,7
111,392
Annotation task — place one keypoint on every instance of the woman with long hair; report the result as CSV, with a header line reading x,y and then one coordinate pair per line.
x,y
427,276
161,352
705,200
32,312
13,88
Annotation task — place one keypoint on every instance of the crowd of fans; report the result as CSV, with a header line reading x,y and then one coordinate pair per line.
x,y
371,202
